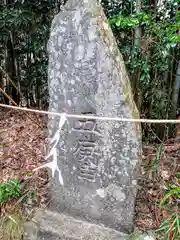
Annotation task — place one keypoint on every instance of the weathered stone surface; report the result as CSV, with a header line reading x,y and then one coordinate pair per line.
x,y
98,159
48,225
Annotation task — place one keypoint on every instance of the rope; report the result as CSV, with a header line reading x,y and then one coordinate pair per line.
x,y
82,116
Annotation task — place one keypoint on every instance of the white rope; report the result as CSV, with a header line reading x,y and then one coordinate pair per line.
x,y
82,116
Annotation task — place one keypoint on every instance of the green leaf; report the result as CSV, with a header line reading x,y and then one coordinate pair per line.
x,y
145,17
142,77
173,192
178,174
178,223
158,157
118,23
163,228
9,190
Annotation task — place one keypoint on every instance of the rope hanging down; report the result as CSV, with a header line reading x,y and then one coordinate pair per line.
x,y
81,116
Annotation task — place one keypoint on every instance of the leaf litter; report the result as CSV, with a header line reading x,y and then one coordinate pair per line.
x,y
23,143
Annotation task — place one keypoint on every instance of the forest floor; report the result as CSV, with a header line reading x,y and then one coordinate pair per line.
x,y
22,149
160,174
23,141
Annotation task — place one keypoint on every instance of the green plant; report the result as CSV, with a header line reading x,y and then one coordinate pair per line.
x,y
123,22
12,223
153,168
171,224
178,174
164,31
158,157
9,190
174,192
171,227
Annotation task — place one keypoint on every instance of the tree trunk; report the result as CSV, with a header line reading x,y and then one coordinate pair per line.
x,y
137,45
171,87
176,90
11,68
138,31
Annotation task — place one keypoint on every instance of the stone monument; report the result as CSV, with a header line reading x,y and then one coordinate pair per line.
x,y
98,159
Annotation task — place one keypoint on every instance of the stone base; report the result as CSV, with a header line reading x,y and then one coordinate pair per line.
x,y
48,225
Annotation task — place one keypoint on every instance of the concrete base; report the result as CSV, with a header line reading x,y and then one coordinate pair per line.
x,y
48,225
